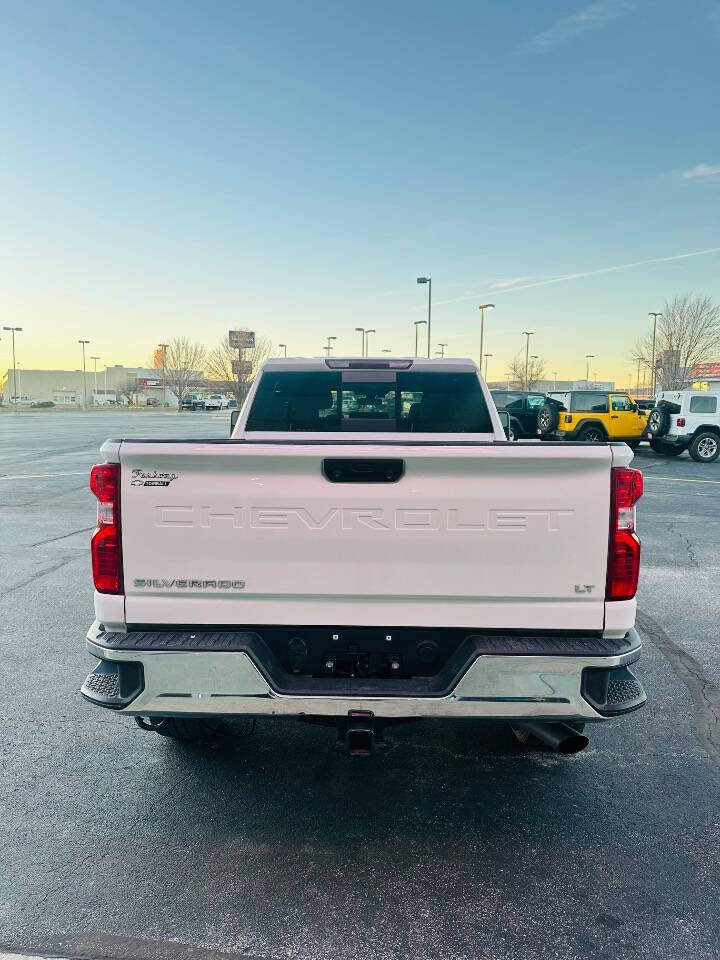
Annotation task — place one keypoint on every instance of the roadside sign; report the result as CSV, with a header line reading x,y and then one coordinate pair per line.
x,y
242,339
241,368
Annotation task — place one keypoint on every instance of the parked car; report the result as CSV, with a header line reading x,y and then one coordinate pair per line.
x,y
362,570
217,401
591,416
152,402
523,407
686,420
192,401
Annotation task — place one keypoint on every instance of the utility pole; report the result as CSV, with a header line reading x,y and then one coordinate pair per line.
x,y
95,360
588,358
482,308
13,331
528,334
652,362
418,323
428,281
84,342
361,331
163,347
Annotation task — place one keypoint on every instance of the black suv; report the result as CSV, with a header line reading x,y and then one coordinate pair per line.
x,y
523,407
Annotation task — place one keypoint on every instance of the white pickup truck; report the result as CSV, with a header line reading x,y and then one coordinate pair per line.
x,y
365,548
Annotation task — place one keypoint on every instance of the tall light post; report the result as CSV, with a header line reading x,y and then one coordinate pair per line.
x,y
554,379
487,356
588,358
528,334
163,347
283,346
442,349
533,356
84,342
328,347
482,308
637,380
428,281
361,331
652,362
95,360
13,331
418,323
367,341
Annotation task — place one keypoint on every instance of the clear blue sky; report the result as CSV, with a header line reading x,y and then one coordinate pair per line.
x,y
172,167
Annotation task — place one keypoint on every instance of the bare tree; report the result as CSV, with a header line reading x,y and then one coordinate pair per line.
x,y
688,333
184,361
535,371
127,390
219,365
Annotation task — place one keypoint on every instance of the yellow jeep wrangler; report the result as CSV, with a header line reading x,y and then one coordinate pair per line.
x,y
591,416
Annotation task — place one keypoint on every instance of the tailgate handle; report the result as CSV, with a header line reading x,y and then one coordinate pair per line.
x,y
363,470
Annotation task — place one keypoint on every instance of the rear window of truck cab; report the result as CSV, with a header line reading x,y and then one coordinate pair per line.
x,y
369,401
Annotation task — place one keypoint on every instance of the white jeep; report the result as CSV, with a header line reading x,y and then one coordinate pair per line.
x,y
686,420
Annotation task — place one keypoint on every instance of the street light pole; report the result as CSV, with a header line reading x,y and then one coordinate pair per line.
x,y
588,358
163,347
528,334
652,362
482,308
486,355
428,281
95,360
328,347
442,349
283,346
555,380
361,331
13,331
83,342
367,342
418,323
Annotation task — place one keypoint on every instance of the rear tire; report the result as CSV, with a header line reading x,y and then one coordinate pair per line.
x,y
705,447
592,435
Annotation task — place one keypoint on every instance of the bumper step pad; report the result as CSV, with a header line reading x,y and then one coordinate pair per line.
x,y
614,691
113,685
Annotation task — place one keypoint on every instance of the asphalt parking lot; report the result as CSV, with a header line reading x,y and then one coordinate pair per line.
x,y
455,843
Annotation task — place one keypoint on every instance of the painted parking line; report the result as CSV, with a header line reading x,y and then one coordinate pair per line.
x,y
681,480
42,476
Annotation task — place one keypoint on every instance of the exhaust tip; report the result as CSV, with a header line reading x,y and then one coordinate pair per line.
x,y
573,744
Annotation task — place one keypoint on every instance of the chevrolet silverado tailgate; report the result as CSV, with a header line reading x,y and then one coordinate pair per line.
x,y
483,535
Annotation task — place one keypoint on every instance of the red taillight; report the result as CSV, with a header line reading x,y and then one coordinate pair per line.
x,y
105,542
624,546
681,421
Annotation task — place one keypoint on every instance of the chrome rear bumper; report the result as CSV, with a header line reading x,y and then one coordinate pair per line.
x,y
202,683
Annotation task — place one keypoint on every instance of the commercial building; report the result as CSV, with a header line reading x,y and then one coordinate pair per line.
x,y
134,385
